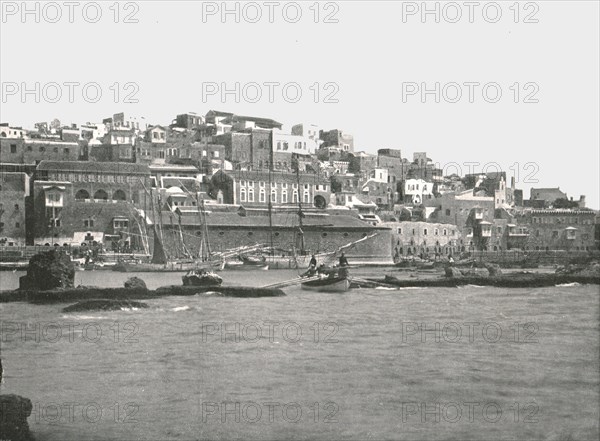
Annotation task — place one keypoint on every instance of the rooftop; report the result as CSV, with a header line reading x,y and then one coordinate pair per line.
x,y
285,220
94,167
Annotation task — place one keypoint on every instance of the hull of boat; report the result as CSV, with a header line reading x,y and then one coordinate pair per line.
x,y
240,266
327,285
160,268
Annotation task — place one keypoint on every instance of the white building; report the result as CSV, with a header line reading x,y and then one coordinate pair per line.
x,y
310,131
125,121
287,143
418,190
379,175
11,132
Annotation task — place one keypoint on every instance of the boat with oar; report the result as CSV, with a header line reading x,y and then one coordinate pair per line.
x,y
325,280
328,284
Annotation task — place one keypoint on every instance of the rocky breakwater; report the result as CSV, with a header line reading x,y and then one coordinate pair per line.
x,y
492,275
14,411
55,267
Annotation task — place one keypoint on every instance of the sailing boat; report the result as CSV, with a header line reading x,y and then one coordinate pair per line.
x,y
160,261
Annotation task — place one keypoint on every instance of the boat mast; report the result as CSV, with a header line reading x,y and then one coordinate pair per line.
x,y
300,214
270,205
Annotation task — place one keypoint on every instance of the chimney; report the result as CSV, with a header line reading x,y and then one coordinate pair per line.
x,y
582,201
512,182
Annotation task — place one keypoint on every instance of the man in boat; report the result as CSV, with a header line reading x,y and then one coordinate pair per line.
x,y
312,267
343,265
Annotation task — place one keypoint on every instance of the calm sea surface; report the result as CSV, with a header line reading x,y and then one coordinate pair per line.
x,y
413,364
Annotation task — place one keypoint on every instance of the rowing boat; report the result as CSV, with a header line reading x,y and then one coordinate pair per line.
x,y
330,284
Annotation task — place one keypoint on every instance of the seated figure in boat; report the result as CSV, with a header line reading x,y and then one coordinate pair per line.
x,y
312,267
343,271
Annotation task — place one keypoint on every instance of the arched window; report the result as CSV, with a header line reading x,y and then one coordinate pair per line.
x,y
119,195
243,195
320,202
101,194
82,194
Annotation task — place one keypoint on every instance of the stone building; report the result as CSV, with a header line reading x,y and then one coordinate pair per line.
x,y
6,131
250,149
188,120
254,188
555,229
32,151
424,238
111,153
337,140
391,159
72,199
14,191
322,233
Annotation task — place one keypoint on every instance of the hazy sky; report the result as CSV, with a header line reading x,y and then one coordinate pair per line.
x,y
364,61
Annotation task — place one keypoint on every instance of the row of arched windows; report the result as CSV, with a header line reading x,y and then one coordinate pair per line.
x,y
118,195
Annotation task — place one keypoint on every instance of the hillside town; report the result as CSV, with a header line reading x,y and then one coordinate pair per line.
x,y
230,180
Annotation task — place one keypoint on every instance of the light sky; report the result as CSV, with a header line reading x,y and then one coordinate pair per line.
x,y
369,54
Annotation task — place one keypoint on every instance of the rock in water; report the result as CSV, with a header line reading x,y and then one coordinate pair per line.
x,y
103,305
14,411
135,283
49,270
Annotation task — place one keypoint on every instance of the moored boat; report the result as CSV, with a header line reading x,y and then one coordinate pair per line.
x,y
246,266
329,284
201,278
169,267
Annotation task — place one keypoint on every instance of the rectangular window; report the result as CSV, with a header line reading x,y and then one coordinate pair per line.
x,y
399,230
13,148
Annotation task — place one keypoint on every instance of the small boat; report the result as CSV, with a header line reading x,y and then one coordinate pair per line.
x,y
329,284
246,266
247,263
169,267
201,278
